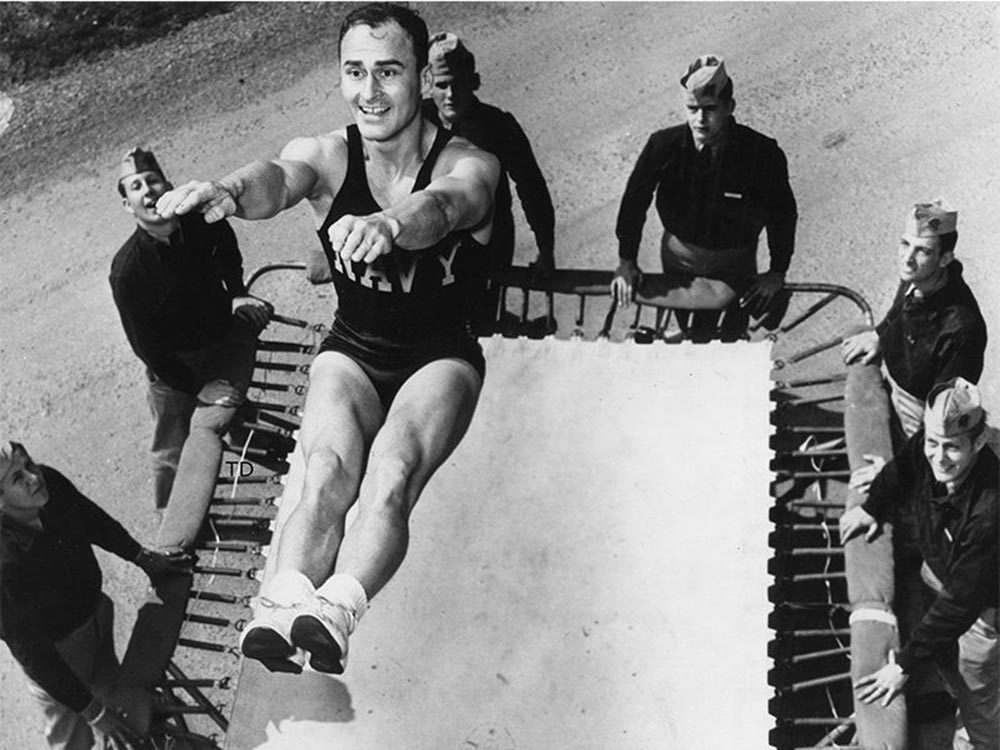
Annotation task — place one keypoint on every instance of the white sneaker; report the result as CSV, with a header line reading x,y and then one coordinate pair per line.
x,y
321,628
267,638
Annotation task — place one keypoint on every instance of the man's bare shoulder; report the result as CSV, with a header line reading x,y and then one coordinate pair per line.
x,y
318,150
462,151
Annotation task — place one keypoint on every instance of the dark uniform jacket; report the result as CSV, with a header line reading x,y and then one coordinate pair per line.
x,y
177,297
930,340
717,203
496,131
957,537
51,583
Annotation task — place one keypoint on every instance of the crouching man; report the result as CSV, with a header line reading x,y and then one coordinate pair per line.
x,y
54,617
947,477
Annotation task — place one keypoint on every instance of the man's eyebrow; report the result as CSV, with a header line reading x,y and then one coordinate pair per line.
x,y
378,63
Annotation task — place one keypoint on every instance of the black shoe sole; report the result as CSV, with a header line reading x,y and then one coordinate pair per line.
x,y
271,650
309,634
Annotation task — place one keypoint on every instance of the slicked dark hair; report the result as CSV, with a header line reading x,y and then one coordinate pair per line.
x,y
379,14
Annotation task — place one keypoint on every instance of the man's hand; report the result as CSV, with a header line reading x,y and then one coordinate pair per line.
x,y
157,564
362,239
627,278
544,265
863,476
856,520
211,198
762,291
864,345
886,683
113,732
220,393
256,312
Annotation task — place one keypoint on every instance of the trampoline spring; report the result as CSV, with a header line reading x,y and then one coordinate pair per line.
x,y
815,453
582,312
827,474
169,710
272,345
252,479
219,622
211,570
283,424
802,429
798,658
295,322
252,522
255,502
816,551
265,406
808,313
819,400
261,385
781,385
804,577
817,721
246,548
202,682
812,351
191,738
814,633
819,682
214,596
276,366
814,504
212,711
203,645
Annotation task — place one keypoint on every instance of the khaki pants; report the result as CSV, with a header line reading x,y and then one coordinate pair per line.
x,y
90,652
974,680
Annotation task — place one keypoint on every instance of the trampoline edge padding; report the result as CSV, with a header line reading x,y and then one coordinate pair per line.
x,y
869,565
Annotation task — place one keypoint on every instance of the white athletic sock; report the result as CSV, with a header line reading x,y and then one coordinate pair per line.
x,y
346,590
287,588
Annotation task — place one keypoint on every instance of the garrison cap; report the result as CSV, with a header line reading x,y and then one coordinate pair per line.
x,y
953,408
8,449
138,160
706,76
931,219
448,56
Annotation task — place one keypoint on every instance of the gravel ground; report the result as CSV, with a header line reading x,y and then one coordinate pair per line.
x,y
876,105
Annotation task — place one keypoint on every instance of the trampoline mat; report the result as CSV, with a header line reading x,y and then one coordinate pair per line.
x,y
588,570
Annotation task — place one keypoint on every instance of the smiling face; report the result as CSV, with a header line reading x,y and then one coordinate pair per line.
x,y
23,491
951,458
380,81
921,260
142,190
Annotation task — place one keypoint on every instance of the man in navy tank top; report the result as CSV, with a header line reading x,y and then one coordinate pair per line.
x,y
402,210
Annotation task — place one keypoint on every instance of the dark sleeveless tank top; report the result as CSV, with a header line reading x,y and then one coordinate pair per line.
x,y
406,294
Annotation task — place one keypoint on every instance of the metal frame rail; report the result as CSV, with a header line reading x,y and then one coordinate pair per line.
x,y
810,650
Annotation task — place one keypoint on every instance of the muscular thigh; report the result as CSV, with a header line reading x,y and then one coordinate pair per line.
x,y
342,410
428,418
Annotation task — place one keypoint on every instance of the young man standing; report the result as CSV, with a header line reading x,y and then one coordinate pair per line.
x,y
53,615
947,476
402,210
718,184
455,106
178,286
934,330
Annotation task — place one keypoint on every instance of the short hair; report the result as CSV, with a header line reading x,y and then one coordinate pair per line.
x,y
726,95
947,242
379,14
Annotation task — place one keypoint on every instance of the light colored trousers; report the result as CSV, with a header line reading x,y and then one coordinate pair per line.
x,y
90,652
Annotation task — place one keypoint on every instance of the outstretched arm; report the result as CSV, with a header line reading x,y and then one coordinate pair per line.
x,y
258,190
461,198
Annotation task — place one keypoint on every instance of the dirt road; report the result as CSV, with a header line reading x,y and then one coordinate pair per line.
x,y
876,106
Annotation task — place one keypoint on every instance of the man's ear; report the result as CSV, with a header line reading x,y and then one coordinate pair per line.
x,y
426,81
946,258
127,206
732,106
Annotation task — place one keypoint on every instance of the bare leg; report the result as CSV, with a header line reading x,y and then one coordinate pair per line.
x,y
427,420
342,415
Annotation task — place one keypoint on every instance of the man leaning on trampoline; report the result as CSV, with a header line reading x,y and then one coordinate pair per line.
x,y
718,184
401,209
948,476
